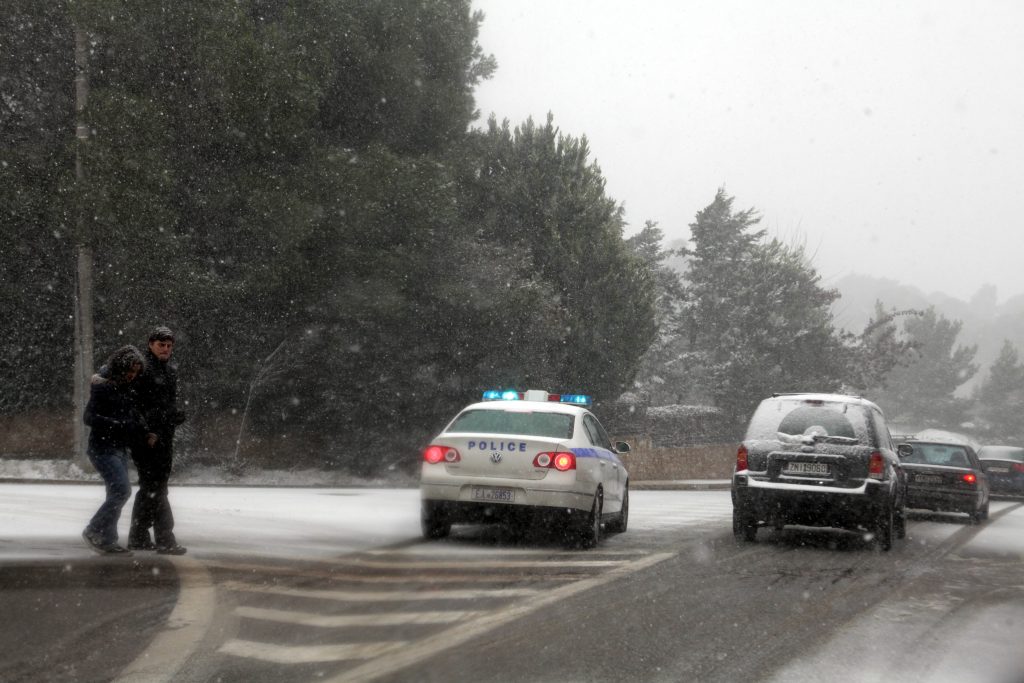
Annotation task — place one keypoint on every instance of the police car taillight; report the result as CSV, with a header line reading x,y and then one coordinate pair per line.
x,y
559,460
436,454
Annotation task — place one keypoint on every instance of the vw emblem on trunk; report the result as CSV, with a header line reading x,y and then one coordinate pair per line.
x,y
495,457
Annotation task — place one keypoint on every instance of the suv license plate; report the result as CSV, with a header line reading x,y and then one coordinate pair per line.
x,y
815,468
494,494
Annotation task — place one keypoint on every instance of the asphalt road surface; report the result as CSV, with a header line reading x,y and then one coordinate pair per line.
x,y
675,598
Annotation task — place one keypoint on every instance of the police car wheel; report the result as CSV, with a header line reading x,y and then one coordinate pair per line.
x,y
434,521
622,521
590,533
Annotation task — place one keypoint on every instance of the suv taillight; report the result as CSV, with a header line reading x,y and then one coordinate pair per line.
x,y
741,459
436,454
876,466
559,460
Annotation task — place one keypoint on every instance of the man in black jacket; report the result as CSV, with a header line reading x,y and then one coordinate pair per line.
x,y
156,390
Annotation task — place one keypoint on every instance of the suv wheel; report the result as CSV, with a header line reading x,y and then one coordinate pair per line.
x,y
744,526
885,528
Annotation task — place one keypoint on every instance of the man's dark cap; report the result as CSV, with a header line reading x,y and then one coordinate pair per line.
x,y
161,333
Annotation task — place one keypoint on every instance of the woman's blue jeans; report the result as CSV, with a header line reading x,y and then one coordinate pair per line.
x,y
112,464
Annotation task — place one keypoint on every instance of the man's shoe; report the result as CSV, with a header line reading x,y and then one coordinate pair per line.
x,y
115,549
171,549
144,544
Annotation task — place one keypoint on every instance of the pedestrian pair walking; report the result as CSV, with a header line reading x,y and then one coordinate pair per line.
x,y
133,413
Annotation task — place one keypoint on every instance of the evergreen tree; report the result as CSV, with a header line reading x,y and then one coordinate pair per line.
x,y
878,349
755,317
921,393
535,191
1000,398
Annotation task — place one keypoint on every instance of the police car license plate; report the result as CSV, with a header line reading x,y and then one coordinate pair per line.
x,y
927,479
816,468
494,494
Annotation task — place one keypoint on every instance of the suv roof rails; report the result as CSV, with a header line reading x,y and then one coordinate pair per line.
x,y
777,394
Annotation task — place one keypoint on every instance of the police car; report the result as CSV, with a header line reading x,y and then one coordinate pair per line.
x,y
526,458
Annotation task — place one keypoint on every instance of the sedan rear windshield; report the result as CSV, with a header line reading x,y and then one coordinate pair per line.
x,y
938,454
554,425
1002,453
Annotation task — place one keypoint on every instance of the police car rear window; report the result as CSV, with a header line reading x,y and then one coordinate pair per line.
x,y
553,425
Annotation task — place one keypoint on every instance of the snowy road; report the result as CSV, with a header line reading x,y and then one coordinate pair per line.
x,y
335,584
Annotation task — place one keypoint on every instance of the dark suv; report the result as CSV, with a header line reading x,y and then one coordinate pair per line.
x,y
819,460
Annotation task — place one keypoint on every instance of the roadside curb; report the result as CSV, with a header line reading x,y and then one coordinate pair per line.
x,y
682,485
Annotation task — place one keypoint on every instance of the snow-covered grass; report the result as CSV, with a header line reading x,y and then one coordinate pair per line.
x,y
69,471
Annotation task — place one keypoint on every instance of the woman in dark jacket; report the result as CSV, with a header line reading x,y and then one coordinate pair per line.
x,y
116,425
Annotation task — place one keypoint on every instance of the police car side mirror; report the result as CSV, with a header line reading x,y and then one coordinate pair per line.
x,y
905,450
621,447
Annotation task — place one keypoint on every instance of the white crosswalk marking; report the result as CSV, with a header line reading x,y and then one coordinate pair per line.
x,y
342,620
308,654
381,596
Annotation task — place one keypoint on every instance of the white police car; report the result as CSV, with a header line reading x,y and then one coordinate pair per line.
x,y
526,458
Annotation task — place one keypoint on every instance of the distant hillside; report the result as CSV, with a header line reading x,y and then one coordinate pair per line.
x,y
986,323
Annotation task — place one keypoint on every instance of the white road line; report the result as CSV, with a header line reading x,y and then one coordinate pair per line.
x,y
451,551
342,620
400,563
461,633
185,629
404,579
380,596
308,654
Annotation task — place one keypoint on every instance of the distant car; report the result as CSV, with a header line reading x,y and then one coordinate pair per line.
x,y
526,458
945,476
818,460
1005,468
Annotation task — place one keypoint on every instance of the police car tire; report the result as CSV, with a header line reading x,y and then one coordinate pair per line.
x,y
622,521
590,533
434,522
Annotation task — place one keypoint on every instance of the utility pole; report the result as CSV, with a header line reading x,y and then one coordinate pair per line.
x,y
83,274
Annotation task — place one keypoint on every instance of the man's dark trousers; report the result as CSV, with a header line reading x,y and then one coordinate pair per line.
x,y
152,509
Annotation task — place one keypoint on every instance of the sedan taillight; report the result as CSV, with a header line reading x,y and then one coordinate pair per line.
x,y
876,466
970,478
1017,467
434,454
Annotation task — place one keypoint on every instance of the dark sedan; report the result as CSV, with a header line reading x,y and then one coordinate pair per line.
x,y
1005,468
945,477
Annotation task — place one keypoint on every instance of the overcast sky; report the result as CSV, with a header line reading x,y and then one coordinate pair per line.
x,y
888,137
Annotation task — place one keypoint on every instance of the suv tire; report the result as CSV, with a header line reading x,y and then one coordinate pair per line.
x,y
744,526
885,528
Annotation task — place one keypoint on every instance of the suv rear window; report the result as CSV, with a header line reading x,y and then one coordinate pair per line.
x,y
783,419
554,425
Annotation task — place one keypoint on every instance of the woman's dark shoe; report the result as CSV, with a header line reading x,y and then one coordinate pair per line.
x,y
171,549
94,541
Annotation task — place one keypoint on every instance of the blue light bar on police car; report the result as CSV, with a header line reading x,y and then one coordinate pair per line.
x,y
502,395
537,395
